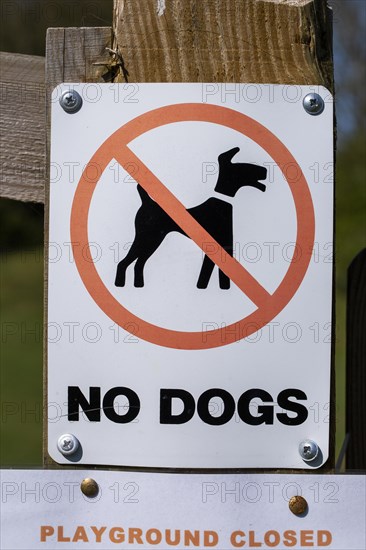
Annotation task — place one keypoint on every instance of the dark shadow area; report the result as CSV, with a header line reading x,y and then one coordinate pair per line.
x,y
24,22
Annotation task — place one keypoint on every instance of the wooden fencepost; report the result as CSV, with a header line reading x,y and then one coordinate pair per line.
x,y
72,55
213,41
228,41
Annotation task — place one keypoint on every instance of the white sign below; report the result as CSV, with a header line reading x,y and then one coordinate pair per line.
x,y
190,276
143,510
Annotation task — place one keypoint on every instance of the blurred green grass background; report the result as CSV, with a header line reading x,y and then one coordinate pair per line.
x,y
21,359
21,256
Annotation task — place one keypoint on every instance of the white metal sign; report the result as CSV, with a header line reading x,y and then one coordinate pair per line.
x,y
190,275
144,510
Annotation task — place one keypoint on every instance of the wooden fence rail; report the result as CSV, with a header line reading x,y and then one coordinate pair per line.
x,y
23,127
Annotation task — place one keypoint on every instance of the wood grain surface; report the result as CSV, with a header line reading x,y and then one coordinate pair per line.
x,y
22,123
72,55
263,41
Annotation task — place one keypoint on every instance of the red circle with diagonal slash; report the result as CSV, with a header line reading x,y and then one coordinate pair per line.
x,y
268,305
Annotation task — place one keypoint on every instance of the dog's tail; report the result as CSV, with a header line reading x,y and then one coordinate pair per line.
x,y
143,194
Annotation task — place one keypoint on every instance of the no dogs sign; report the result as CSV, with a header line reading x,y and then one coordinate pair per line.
x,y
190,275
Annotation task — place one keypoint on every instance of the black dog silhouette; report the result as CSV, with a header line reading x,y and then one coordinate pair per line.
x,y
152,223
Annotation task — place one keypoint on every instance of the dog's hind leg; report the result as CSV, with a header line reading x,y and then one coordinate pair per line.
x,y
123,265
150,245
205,273
139,272
120,279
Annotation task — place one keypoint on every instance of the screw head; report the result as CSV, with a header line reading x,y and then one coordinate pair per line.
x,y
89,487
68,444
313,104
71,102
308,450
298,505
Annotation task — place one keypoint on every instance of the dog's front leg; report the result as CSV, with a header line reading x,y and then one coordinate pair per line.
x,y
205,273
224,280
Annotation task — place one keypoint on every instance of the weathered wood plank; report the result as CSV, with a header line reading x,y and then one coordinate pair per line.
x,y
23,129
76,54
356,364
72,55
263,41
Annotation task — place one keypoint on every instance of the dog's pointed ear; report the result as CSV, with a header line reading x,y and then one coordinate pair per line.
x,y
226,157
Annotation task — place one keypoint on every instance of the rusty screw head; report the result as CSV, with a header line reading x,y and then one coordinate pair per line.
x,y
89,487
298,505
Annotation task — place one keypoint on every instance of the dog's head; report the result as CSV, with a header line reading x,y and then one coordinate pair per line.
x,y
233,176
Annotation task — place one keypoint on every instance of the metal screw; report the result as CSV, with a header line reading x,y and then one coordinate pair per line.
x,y
308,450
68,444
313,104
298,505
71,102
89,487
